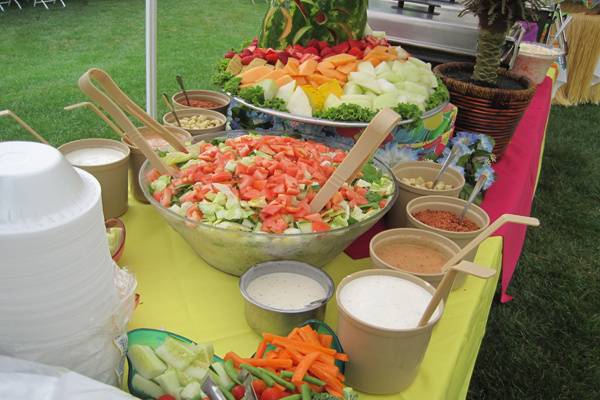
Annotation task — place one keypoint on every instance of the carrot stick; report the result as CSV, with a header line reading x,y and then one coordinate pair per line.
x,y
263,362
330,380
328,368
325,340
280,341
261,349
308,335
272,355
237,360
293,334
303,367
341,357
334,392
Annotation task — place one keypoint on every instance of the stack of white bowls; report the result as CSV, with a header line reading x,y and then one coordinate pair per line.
x,y
60,302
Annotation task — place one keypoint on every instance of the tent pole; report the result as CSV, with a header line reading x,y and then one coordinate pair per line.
x,y
151,95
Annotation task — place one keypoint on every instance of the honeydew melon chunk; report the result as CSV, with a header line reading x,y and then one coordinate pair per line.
x,y
416,88
418,63
270,88
185,378
299,103
407,71
192,391
385,100
358,99
382,68
197,372
367,68
169,383
352,88
386,86
175,353
332,101
286,91
391,77
357,75
369,84
146,387
145,361
370,94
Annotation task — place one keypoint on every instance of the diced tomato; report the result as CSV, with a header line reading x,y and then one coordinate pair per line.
x,y
245,181
314,217
271,209
275,224
167,195
382,203
153,175
259,184
223,176
319,226
249,193
238,392
259,386
193,213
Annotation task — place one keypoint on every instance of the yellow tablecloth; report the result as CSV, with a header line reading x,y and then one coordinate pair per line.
x,y
181,293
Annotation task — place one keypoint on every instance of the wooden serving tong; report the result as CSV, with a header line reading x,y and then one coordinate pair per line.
x,y
113,100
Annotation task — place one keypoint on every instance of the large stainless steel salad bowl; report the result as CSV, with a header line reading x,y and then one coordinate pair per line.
x,y
234,252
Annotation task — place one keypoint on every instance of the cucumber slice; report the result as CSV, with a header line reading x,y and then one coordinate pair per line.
x,y
169,383
145,361
193,391
146,387
175,353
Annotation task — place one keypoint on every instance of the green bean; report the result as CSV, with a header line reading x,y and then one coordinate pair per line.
x,y
231,372
306,392
257,372
226,392
307,378
292,397
286,384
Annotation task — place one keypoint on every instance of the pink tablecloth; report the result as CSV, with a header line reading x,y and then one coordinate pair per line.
x,y
514,189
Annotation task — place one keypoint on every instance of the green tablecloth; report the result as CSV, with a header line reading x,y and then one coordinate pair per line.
x,y
181,293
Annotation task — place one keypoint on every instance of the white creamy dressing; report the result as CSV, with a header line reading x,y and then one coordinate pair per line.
x,y
385,301
94,156
285,290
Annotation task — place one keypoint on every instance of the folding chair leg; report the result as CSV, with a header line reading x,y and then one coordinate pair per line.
x,y
61,2
1,8
18,5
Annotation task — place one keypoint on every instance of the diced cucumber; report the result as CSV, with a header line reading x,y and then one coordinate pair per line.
x,y
184,378
145,361
304,226
169,383
197,372
192,391
175,353
222,376
146,387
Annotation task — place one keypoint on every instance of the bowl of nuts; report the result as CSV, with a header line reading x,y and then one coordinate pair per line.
x,y
415,179
197,122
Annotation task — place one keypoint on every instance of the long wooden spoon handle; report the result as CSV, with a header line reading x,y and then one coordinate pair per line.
x,y
24,125
129,130
99,113
366,145
503,219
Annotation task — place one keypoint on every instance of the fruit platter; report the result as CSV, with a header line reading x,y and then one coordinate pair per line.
x,y
307,364
341,85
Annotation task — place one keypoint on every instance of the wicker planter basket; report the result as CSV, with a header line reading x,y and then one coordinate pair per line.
x,y
495,112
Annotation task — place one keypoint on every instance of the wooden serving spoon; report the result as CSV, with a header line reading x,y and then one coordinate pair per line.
x,y
503,219
362,151
24,125
444,287
182,87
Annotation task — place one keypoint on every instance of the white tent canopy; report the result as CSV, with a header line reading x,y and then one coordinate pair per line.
x,y
151,95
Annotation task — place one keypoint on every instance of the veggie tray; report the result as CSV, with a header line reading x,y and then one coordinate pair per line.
x,y
307,364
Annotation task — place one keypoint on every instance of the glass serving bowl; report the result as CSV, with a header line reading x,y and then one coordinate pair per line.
x,y
234,252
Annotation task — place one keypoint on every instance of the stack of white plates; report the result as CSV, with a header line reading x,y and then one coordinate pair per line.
x,y
59,303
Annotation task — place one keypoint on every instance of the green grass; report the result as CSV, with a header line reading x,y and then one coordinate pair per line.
x,y
543,345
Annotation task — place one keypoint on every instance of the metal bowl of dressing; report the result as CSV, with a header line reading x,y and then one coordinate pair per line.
x,y
277,318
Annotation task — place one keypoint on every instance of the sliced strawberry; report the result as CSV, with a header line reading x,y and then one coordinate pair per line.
x,y
323,45
230,54
247,60
356,52
245,53
272,58
313,43
312,50
341,48
260,53
283,57
327,51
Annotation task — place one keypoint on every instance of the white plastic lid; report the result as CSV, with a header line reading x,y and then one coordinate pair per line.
x,y
39,189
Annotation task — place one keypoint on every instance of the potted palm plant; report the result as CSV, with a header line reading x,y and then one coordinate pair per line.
x,y
490,100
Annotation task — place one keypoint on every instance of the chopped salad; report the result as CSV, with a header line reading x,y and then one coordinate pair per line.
x,y
264,183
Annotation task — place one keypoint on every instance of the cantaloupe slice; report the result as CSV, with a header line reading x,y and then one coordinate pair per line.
x,y
279,65
326,65
340,59
257,62
300,80
292,66
255,74
284,80
347,68
318,79
332,73
275,74
308,67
